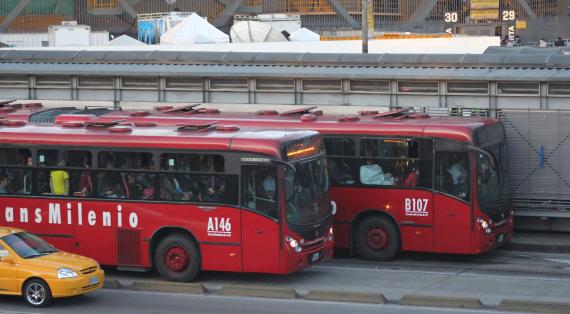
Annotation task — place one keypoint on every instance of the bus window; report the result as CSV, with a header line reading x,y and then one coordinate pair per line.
x,y
18,178
341,162
260,189
452,174
390,162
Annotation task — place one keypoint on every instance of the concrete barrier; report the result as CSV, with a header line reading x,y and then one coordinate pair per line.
x,y
112,284
259,291
340,296
534,306
165,286
421,300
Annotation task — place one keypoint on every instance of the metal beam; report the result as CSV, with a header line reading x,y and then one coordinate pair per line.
x,y
341,10
227,13
14,14
128,8
223,2
421,12
527,9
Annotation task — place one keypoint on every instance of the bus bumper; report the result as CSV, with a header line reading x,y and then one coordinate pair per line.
x,y
297,261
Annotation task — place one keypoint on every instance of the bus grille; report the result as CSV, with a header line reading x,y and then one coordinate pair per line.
x,y
129,247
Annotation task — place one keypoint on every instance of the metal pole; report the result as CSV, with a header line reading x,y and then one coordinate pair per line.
x,y
364,26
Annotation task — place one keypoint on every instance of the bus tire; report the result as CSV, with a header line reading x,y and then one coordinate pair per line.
x,y
177,258
37,293
377,239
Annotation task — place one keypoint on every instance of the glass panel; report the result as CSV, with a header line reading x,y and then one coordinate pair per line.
x,y
518,88
389,148
418,87
228,83
192,162
322,85
126,160
370,86
53,81
95,82
13,81
274,85
452,174
467,87
15,181
184,83
559,88
260,189
140,82
340,146
15,156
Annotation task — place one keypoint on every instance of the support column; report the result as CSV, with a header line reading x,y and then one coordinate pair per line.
x,y
227,13
341,10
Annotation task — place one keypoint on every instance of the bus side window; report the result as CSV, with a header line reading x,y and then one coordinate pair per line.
x,y
260,189
341,161
452,173
18,178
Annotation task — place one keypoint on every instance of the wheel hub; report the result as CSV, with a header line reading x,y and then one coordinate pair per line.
x,y
36,294
377,238
176,258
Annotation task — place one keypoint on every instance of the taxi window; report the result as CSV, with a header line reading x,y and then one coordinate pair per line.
x,y
3,251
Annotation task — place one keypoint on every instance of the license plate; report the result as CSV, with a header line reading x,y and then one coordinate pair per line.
x,y
93,280
315,257
500,238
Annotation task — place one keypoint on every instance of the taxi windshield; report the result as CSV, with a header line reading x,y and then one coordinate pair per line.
x,y
27,245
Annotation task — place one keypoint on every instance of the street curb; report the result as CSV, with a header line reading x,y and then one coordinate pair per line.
x,y
259,291
112,284
451,302
534,306
176,287
534,247
342,296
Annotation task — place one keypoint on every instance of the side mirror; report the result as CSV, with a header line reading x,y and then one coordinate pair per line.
x,y
7,259
333,207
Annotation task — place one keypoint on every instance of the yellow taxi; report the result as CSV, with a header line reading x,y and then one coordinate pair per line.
x,y
36,270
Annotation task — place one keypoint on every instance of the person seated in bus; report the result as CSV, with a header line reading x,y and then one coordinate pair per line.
x,y
133,190
212,187
340,171
27,180
109,185
5,182
413,177
172,189
85,181
372,174
59,180
458,174
269,186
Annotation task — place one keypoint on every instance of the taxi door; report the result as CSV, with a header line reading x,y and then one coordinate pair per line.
x,y
8,272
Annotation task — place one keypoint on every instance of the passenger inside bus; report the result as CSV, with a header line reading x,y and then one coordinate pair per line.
x,y
5,182
59,180
27,181
413,177
212,187
85,181
458,173
372,174
340,171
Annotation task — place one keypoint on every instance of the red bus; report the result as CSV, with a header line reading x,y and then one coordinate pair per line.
x,y
401,180
180,199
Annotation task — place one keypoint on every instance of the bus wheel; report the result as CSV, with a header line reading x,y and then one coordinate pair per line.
x,y
37,293
377,239
177,258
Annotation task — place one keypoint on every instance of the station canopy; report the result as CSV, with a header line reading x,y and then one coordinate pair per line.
x,y
304,34
193,30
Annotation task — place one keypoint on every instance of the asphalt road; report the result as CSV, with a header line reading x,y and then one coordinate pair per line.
x,y
125,302
492,277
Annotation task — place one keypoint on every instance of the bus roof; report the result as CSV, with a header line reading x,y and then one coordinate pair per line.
x,y
393,123
206,137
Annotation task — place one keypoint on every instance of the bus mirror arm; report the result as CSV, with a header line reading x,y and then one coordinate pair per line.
x,y
284,163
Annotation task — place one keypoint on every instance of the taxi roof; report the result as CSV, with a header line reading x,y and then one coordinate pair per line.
x,y
4,231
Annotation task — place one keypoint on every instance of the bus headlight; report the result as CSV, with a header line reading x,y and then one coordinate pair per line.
x,y
293,244
484,225
331,234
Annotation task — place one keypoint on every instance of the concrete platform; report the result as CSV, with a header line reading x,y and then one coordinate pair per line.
x,y
533,241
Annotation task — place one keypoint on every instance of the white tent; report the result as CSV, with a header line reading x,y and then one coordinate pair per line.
x,y
125,40
254,32
193,30
303,34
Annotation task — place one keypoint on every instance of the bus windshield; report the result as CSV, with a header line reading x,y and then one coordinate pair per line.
x,y
493,185
306,191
